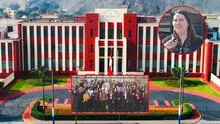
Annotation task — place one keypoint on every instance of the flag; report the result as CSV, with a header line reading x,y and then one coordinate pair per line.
x,y
110,64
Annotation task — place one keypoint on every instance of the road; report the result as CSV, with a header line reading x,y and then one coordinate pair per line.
x,y
12,110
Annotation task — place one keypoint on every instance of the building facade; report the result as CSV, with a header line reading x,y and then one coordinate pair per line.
x,y
126,42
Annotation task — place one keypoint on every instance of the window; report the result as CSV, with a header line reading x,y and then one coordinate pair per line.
x,y
119,34
101,51
45,47
9,49
52,31
38,47
25,32
66,32
53,47
147,64
10,28
73,31
130,33
38,31
59,47
10,65
140,32
74,48
91,64
3,64
81,32
155,32
74,62
119,52
59,32
81,64
3,49
91,49
148,32
91,33
45,31
110,33
102,33
67,62
59,62
140,49
81,48
31,31
66,47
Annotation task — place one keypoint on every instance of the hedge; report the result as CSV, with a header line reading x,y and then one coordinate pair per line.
x,y
37,112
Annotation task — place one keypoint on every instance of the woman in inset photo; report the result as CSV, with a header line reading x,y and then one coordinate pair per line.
x,y
183,38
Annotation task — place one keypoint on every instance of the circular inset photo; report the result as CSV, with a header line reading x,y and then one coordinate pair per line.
x,y
182,29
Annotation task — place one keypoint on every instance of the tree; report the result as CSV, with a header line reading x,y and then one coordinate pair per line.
x,y
176,71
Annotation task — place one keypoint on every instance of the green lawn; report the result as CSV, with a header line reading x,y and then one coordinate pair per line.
x,y
197,85
28,83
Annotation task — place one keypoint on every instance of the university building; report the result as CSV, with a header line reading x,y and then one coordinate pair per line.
x,y
107,39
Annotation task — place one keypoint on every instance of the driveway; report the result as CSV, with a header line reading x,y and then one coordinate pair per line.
x,y
12,109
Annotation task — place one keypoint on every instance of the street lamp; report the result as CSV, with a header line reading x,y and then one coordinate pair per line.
x,y
181,93
53,116
43,87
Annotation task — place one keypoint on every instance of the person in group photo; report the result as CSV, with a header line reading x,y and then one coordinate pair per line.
x,y
183,38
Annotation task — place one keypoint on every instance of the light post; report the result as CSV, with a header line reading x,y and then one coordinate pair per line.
x,y
53,116
43,87
181,93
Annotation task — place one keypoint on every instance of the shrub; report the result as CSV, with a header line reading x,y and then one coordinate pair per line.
x,y
168,113
1,85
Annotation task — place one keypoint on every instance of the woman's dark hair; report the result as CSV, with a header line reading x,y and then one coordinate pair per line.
x,y
190,31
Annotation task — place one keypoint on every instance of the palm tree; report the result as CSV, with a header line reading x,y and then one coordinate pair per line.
x,y
179,72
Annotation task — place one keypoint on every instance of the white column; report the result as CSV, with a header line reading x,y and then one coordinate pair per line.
x,y
218,63
77,46
49,48
158,54
172,60
144,48
22,47
180,61
151,49
56,49
165,59
28,48
12,46
0,57
201,59
124,56
194,61
115,48
70,49
187,62
35,48
106,50
6,56
96,56
42,45
63,48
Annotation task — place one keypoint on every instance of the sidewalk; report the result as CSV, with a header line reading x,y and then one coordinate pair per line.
x,y
207,96
30,120
4,98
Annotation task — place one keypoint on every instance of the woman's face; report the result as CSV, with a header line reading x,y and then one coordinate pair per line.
x,y
180,23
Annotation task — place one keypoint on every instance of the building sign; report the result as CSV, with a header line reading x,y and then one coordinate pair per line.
x,y
111,15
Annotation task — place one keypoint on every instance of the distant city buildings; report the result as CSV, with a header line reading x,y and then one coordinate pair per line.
x,y
86,44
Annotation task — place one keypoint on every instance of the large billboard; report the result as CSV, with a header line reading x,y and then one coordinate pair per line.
x,y
110,94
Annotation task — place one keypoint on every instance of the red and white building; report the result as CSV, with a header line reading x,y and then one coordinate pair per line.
x,y
85,45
